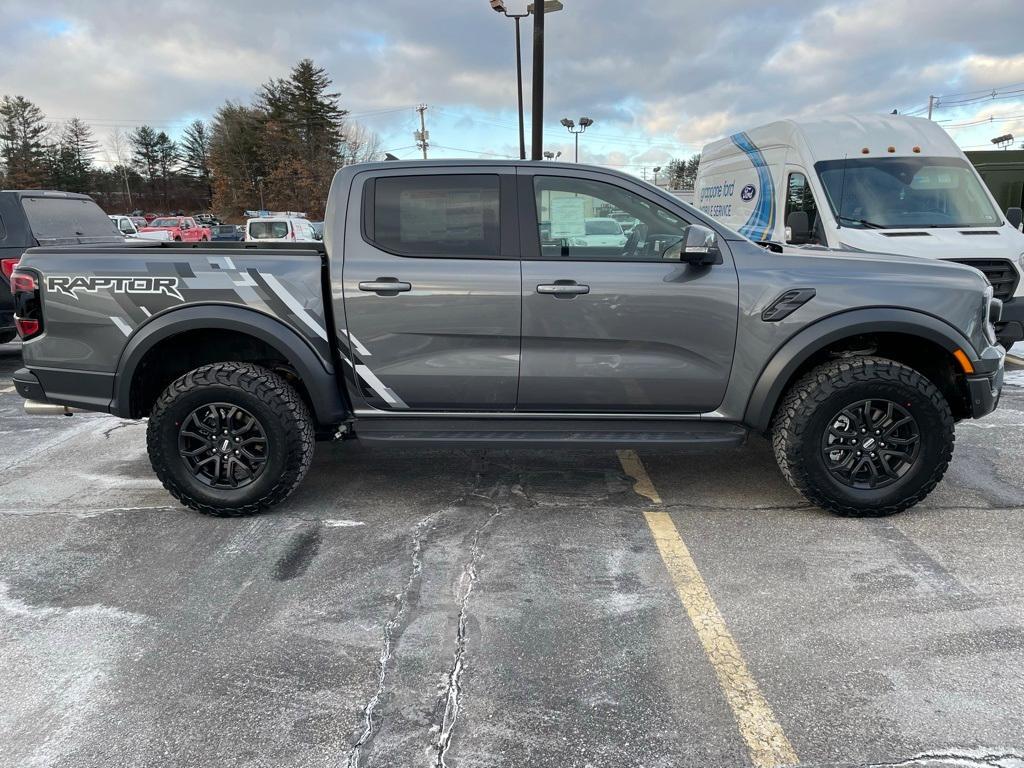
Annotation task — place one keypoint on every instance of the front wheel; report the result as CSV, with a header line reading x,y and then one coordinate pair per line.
x,y
230,439
863,437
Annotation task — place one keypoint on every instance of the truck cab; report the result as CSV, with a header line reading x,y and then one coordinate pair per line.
x,y
876,184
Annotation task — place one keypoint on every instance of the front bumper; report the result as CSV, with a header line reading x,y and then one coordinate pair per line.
x,y
984,389
1010,328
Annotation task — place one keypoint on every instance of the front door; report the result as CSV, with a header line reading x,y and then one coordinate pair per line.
x,y
613,321
431,291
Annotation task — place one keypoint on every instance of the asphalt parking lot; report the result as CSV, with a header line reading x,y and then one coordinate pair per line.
x,y
486,608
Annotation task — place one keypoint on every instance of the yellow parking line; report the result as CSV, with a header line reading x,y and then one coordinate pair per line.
x,y
766,742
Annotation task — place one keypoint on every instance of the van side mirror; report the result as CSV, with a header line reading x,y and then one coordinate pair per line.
x,y
700,247
798,228
1015,216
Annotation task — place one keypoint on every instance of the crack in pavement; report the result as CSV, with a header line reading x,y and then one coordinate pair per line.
x,y
119,425
452,695
980,759
371,719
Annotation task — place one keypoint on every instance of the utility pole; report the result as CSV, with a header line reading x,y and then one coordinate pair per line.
x,y
537,152
422,136
932,102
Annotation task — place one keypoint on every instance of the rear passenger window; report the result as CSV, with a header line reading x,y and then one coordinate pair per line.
x,y
454,216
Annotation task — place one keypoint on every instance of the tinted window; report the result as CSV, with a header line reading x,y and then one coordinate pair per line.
x,y
437,215
60,217
580,219
164,223
268,230
800,198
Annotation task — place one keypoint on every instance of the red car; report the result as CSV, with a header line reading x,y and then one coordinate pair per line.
x,y
181,228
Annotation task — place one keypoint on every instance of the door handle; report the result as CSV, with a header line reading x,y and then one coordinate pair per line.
x,y
563,288
385,286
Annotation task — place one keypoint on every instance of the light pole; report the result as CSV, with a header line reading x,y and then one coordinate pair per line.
x,y
549,6
499,6
576,130
656,169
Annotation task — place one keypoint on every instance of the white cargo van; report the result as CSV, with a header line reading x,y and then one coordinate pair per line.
x,y
879,183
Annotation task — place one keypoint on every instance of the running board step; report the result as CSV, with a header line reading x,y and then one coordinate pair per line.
x,y
694,434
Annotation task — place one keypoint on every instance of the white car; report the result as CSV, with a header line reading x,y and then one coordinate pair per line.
x,y
600,233
126,227
280,229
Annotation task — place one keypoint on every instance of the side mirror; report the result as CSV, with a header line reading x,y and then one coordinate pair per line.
x,y
798,228
1014,215
700,248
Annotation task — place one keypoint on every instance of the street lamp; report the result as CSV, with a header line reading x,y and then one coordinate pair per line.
x,y
538,40
1003,141
576,130
656,169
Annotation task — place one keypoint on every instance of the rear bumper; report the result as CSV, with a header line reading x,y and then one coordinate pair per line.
x,y
28,386
1010,327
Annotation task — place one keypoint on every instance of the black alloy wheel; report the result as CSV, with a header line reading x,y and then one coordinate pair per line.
x,y
223,445
870,444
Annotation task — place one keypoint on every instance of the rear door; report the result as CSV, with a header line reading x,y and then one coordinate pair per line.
x,y
618,327
431,286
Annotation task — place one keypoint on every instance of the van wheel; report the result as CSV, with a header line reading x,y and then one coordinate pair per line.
x,y
863,437
230,439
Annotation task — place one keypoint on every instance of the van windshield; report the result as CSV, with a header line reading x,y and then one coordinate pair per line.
x,y
905,193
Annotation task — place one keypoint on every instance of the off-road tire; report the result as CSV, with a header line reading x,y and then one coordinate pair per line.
x,y
805,412
281,412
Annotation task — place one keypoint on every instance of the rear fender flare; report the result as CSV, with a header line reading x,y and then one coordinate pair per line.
x,y
799,348
316,374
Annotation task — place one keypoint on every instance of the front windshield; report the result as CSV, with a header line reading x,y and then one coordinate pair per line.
x,y
905,193
164,223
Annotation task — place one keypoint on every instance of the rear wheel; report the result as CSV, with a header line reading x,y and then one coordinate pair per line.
x,y
230,439
863,437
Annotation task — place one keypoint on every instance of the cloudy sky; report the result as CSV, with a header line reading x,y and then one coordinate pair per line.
x,y
659,77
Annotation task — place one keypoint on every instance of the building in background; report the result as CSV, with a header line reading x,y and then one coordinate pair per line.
x,y
1003,173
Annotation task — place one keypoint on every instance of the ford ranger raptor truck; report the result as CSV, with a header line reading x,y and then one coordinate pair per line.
x,y
461,303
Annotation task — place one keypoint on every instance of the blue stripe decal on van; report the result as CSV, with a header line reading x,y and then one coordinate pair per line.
x,y
761,223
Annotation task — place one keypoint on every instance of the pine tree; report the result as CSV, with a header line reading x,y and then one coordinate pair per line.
x,y
75,153
167,159
22,146
195,147
144,152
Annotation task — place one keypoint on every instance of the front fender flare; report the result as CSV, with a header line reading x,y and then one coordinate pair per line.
x,y
799,348
316,374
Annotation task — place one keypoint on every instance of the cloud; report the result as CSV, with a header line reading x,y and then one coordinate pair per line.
x,y
658,78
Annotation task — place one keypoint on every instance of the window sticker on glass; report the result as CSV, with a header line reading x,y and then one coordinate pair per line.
x,y
568,217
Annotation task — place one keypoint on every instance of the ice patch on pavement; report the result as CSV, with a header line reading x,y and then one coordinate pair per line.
x,y
59,675
15,607
343,523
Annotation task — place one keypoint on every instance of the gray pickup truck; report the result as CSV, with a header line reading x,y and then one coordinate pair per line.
x,y
473,303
